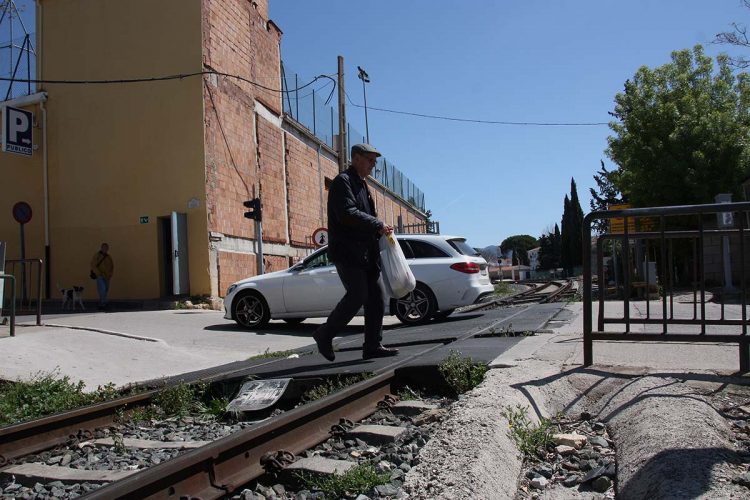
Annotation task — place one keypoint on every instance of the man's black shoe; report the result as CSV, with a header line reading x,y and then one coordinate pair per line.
x,y
379,352
325,347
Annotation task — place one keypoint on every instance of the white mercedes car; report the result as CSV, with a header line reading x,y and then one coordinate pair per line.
x,y
449,274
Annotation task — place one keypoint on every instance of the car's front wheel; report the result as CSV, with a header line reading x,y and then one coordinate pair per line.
x,y
416,307
250,310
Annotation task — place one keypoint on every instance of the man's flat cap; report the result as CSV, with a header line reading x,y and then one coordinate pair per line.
x,y
364,148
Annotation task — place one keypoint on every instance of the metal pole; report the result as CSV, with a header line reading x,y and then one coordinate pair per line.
x,y
367,125
259,233
342,117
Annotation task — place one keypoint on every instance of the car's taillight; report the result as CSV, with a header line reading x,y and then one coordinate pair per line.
x,y
466,267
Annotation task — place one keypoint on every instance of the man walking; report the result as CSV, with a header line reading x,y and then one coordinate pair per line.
x,y
102,269
353,232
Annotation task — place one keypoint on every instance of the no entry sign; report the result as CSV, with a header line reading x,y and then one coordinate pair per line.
x,y
22,212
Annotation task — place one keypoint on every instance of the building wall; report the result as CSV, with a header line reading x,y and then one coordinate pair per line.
x,y
122,151
197,145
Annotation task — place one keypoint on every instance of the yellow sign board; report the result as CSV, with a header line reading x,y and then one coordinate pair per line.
x,y
617,224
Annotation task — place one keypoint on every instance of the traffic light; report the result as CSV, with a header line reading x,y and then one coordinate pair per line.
x,y
255,209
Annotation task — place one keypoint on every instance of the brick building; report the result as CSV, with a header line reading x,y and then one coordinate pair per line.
x,y
160,169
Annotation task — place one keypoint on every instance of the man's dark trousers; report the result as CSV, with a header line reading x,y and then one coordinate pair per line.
x,y
362,288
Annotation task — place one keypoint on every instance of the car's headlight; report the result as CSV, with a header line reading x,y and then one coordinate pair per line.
x,y
231,288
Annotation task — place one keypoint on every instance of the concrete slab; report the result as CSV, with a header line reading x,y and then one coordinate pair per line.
x,y
30,473
320,465
377,434
411,407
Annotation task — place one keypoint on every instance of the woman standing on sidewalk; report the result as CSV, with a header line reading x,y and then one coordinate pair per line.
x,y
102,269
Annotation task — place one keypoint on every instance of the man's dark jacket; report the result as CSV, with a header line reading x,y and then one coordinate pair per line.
x,y
353,227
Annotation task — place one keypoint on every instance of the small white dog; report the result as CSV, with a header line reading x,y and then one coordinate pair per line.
x,y
71,297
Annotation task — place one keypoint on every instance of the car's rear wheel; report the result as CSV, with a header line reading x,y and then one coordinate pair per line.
x,y
294,321
440,315
416,307
250,310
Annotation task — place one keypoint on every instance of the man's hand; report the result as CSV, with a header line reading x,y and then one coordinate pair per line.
x,y
386,229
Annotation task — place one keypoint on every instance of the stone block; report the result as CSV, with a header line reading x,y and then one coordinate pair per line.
x,y
411,408
377,434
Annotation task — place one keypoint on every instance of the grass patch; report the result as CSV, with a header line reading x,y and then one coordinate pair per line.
x,y
47,394
508,331
356,481
462,373
502,289
333,385
528,436
276,354
179,401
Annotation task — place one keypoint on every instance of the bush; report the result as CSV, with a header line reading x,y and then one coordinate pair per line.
x,y
527,436
462,374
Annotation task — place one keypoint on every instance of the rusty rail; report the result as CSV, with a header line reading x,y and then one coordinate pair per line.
x,y
219,468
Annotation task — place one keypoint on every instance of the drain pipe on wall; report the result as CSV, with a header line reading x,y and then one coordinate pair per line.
x,y
45,169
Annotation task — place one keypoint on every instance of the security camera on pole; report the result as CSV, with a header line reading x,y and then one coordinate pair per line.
x,y
256,213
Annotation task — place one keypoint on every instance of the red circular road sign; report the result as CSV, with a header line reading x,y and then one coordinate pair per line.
x,y
320,237
22,212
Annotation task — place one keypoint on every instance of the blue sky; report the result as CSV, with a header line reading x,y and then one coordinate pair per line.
x,y
531,61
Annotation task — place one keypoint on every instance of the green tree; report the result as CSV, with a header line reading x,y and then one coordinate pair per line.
x,y
549,251
681,134
520,244
738,38
606,194
571,252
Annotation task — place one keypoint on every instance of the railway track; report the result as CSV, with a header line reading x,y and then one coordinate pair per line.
x,y
540,293
189,468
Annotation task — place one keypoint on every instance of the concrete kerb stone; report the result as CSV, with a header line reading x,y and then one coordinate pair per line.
x,y
106,332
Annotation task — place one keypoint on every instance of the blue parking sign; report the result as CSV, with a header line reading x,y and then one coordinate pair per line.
x,y
17,131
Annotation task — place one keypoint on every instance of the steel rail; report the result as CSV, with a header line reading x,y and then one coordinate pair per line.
x,y
219,468
36,435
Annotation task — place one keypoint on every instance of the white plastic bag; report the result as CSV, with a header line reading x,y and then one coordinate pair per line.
x,y
397,277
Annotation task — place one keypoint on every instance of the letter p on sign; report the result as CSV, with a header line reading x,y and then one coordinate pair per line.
x,y
17,131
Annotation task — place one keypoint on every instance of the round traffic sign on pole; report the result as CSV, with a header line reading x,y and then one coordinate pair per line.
x,y
22,212
320,237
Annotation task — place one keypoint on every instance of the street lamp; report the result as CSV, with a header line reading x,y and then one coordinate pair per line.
x,y
365,79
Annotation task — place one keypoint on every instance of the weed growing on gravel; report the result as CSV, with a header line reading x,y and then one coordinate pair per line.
x,y
502,289
119,443
357,480
462,374
180,399
408,394
216,407
333,385
528,437
45,394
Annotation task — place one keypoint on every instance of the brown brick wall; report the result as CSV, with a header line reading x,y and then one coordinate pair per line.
x,y
271,169
234,267
304,183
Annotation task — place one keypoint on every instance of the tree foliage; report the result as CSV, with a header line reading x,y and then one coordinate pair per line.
x,y
572,231
549,251
520,244
606,194
738,38
681,134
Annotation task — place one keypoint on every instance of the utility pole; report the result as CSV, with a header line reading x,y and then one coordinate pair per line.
x,y
342,118
365,79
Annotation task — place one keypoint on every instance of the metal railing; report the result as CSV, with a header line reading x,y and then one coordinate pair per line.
x,y
23,272
659,255
426,227
12,304
308,108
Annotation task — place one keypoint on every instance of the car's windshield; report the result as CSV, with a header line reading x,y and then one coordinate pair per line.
x,y
462,247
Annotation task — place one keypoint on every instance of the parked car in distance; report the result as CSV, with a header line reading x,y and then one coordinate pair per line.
x,y
449,274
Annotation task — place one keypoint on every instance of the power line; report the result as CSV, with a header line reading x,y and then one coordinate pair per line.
x,y
470,120
160,79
